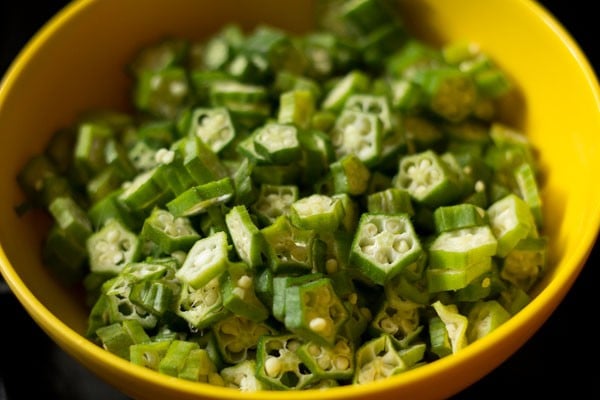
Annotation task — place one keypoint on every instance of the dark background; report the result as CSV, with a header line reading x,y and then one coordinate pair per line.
x,y
560,357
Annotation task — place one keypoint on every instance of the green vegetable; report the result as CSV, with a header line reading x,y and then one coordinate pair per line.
x,y
294,211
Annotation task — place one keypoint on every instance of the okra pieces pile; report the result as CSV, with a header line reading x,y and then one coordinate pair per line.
x,y
294,211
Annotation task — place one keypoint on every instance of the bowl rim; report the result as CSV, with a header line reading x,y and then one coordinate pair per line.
x,y
552,294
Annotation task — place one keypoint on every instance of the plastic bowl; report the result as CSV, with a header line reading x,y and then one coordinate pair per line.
x,y
76,63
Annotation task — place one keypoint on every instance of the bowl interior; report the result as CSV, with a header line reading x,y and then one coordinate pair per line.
x,y
77,63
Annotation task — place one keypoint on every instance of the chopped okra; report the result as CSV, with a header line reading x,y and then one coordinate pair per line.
x,y
296,211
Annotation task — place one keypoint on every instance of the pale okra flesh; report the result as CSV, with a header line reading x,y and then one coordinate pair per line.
x,y
286,211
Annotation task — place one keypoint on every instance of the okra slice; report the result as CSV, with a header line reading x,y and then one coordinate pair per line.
x,y
439,338
350,175
59,148
156,297
511,221
458,216
384,244
351,212
89,152
162,93
449,92
170,233
64,254
198,199
413,354
248,104
513,298
377,359
525,263
444,279
237,337
279,285
374,104
278,364
317,212
115,339
200,162
390,201
317,154
213,126
201,307
146,190
112,247
198,367
120,307
277,143
242,376
365,16
484,317
527,182
314,311
455,324
287,247
34,177
286,81
148,355
71,218
329,362
427,178
459,248
353,82
245,236
206,260
237,289
165,53
102,184
174,359
296,107
110,207
274,201
398,318
358,133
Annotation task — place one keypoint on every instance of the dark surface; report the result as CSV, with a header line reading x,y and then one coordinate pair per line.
x,y
558,359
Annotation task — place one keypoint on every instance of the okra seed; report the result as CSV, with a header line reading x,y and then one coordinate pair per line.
x,y
341,363
324,362
392,226
314,350
401,245
245,282
371,229
479,186
239,292
272,367
211,298
318,324
331,265
293,345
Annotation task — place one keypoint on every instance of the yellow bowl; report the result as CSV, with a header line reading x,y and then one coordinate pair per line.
x,y
76,62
